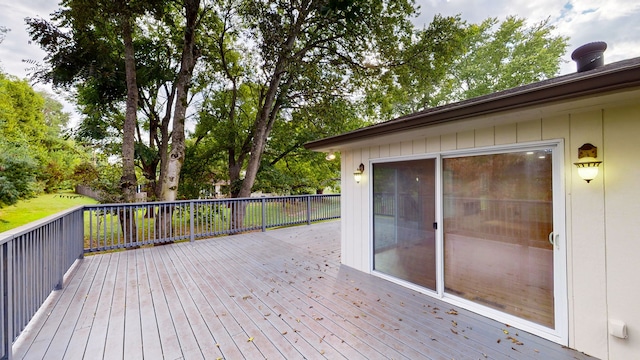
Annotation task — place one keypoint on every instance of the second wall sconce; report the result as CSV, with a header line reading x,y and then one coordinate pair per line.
x,y
587,163
357,175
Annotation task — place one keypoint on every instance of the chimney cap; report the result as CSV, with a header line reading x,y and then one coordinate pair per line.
x,y
589,56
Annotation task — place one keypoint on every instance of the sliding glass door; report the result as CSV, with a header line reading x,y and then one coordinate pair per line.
x,y
497,249
498,219
404,219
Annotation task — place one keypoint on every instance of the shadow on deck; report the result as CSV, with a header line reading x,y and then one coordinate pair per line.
x,y
279,294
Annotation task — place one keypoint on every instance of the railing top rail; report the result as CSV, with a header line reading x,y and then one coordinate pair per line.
x,y
8,235
178,202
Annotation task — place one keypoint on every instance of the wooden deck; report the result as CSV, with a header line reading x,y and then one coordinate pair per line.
x,y
280,294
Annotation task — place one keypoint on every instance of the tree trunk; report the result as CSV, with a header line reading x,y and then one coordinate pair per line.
x,y
172,167
128,181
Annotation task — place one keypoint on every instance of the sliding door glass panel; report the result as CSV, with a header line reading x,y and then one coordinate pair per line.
x,y
498,214
403,221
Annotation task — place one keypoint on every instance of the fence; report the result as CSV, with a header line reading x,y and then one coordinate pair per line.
x,y
36,256
132,225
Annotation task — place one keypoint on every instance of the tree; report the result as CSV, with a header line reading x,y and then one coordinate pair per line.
x,y
86,44
33,155
452,60
94,26
287,167
17,173
296,53
311,40
172,165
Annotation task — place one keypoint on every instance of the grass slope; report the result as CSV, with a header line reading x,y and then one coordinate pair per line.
x,y
40,207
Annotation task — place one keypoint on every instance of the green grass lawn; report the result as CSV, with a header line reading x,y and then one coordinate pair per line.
x,y
40,207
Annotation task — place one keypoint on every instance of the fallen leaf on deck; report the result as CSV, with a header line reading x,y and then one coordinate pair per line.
x,y
452,312
453,331
284,333
505,331
250,339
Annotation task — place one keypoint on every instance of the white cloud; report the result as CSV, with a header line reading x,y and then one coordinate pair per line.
x,y
16,46
617,22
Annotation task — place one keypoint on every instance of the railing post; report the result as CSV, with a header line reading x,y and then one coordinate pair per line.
x,y
192,235
7,298
78,224
60,256
263,201
308,209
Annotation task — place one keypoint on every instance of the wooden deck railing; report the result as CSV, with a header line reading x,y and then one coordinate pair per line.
x,y
36,256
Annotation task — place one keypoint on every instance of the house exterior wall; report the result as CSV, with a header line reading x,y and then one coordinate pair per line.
x,y
602,217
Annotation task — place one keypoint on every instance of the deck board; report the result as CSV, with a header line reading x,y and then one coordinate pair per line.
x,y
341,334
151,344
164,324
78,342
100,325
276,295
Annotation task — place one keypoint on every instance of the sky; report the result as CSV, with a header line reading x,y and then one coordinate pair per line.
x,y
616,22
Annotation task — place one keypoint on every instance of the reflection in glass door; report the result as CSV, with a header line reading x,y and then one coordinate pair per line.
x,y
498,214
404,217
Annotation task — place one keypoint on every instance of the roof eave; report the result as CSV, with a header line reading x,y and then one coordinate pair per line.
x,y
563,88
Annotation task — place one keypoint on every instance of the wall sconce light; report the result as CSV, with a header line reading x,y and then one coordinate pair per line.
x,y
357,175
587,164
330,156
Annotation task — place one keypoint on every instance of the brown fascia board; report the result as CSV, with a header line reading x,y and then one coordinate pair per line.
x,y
616,76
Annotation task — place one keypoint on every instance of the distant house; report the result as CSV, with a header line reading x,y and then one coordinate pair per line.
x,y
479,203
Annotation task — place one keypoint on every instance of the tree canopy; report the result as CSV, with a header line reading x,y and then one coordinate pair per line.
x,y
261,78
34,154
451,60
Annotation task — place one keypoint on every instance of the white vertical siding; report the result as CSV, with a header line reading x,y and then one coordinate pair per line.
x,y
505,134
529,131
485,137
465,140
419,146
448,142
621,176
588,248
433,144
406,148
